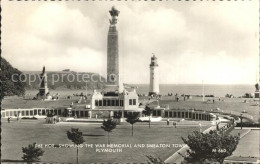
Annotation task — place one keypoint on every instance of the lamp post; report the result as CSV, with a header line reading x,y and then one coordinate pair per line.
x,y
241,117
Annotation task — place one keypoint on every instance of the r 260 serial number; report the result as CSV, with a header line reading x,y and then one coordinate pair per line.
x,y
219,150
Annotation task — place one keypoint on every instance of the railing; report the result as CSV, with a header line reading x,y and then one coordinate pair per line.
x,y
248,116
227,128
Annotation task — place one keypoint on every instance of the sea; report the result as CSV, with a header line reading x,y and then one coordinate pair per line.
x,y
187,89
196,89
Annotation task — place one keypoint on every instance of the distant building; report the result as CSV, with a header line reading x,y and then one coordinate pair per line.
x,y
115,103
154,76
66,70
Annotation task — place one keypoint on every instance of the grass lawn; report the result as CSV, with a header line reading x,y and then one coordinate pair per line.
x,y
235,132
16,135
249,145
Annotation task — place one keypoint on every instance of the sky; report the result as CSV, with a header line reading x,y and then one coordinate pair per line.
x,y
214,42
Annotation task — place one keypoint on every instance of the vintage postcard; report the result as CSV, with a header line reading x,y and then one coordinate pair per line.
x,y
130,81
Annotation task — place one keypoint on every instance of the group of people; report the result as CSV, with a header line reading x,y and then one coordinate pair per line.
x,y
173,123
52,118
18,118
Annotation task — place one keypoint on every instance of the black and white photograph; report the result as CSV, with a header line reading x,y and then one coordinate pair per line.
x,y
137,81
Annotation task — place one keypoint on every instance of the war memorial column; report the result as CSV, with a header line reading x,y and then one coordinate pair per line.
x,y
112,50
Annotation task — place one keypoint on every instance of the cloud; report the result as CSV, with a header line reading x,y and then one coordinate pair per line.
x,y
240,16
212,41
59,25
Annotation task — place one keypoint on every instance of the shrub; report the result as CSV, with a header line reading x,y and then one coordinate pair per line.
x,y
32,153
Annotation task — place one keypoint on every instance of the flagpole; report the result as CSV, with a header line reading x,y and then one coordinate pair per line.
x,y
203,96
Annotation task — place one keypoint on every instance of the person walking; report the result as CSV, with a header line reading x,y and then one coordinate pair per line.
x,y
168,121
174,124
200,127
8,119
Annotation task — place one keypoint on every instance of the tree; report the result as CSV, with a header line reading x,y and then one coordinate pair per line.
x,y
108,126
211,146
132,118
12,80
148,111
154,160
76,137
32,153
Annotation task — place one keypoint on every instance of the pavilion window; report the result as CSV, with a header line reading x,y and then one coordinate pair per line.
x,y
113,103
130,102
159,113
108,102
55,111
27,113
183,115
104,102
7,113
170,114
22,112
100,103
43,112
3,114
39,112
117,102
15,113
125,114
81,114
86,113
11,113
59,112
186,114
193,116
35,111
154,113
174,114
31,112
166,114
96,102
134,101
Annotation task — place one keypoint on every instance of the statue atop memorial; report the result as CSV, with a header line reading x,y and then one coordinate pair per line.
x,y
43,76
114,14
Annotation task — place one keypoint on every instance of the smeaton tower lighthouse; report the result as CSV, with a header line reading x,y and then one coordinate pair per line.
x,y
154,76
112,50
